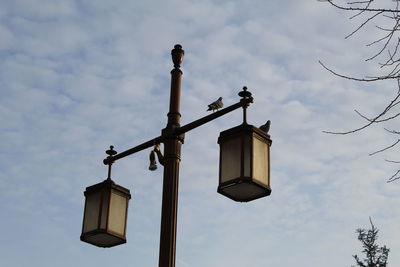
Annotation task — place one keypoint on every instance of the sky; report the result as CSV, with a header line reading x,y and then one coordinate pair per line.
x,y
79,76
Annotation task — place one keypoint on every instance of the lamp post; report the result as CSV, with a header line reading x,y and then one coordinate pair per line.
x,y
246,144
172,158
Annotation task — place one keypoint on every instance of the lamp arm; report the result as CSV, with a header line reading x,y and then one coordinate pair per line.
x,y
133,150
244,102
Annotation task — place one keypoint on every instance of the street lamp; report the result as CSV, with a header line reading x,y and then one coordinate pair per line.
x,y
244,172
106,212
244,163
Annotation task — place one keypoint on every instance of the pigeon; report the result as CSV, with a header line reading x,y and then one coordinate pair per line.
x,y
266,126
216,105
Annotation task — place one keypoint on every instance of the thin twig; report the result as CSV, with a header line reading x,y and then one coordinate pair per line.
x,y
394,178
392,131
371,121
392,161
363,24
377,121
361,8
372,79
386,148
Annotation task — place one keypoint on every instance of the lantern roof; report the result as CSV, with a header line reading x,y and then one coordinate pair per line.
x,y
107,184
246,128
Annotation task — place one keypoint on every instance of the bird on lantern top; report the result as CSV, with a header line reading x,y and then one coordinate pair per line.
x,y
266,126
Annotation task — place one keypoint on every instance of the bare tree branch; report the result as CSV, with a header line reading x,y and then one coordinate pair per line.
x,y
386,56
386,148
367,9
371,79
392,161
392,131
363,24
376,119
394,177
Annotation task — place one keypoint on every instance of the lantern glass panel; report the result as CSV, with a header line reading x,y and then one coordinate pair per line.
x,y
117,215
104,208
246,156
230,159
92,211
260,161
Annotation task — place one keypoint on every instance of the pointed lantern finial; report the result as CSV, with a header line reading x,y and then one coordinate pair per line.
x,y
110,152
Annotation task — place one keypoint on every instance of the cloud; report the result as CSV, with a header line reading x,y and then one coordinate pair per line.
x,y
77,77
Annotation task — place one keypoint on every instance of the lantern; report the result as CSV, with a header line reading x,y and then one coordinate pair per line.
x,y
244,163
105,215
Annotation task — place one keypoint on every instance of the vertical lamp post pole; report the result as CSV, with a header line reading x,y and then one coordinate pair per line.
x,y
172,158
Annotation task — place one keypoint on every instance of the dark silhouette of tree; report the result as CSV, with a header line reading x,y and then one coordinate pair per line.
x,y
383,15
375,256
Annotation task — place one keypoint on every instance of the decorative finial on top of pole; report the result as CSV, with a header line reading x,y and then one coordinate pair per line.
x,y
177,55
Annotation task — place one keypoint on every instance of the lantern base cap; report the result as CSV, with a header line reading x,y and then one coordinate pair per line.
x,y
243,190
102,238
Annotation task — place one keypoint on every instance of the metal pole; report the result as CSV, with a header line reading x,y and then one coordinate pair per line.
x,y
172,158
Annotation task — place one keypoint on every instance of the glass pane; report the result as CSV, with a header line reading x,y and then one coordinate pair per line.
x,y
104,209
230,159
92,211
246,156
260,161
117,214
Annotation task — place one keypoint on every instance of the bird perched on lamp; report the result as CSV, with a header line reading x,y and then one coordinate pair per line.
x,y
266,126
216,105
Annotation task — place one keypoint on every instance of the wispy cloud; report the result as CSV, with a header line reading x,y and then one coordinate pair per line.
x,y
76,77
